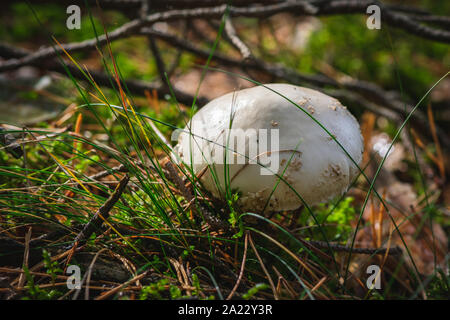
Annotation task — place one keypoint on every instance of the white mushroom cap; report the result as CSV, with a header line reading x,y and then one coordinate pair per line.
x,y
312,162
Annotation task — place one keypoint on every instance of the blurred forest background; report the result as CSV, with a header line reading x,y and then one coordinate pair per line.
x,y
60,162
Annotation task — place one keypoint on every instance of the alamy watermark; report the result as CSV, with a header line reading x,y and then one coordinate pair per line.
x,y
74,280
74,20
374,20
233,146
374,280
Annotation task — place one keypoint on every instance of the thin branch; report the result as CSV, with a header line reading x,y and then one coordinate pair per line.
x,y
241,272
135,86
269,278
230,33
102,214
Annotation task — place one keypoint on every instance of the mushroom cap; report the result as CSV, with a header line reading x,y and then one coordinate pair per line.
x,y
309,160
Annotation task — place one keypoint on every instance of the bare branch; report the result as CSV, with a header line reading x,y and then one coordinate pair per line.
x,y
297,7
230,32
102,214
135,86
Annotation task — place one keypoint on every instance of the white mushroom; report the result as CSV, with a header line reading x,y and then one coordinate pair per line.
x,y
269,135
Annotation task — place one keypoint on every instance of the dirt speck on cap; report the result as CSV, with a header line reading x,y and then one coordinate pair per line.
x,y
302,102
296,163
288,179
333,170
331,137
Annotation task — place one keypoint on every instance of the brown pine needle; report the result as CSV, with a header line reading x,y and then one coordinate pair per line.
x,y
422,146
440,158
122,286
274,290
241,272
367,131
25,257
